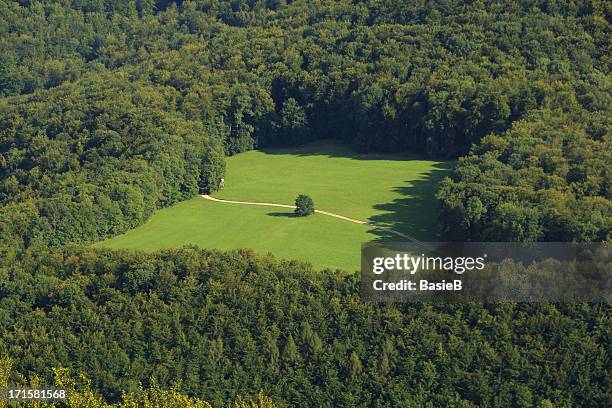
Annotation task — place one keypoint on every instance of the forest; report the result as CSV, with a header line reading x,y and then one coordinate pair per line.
x,y
110,110
521,90
218,323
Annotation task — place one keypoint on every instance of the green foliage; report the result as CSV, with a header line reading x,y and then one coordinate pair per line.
x,y
96,158
213,169
112,109
304,206
292,128
221,325
385,76
81,395
546,179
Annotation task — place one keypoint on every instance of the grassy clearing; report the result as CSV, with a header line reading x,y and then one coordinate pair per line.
x,y
321,240
395,191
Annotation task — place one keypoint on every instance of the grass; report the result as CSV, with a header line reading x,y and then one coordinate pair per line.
x,y
395,191
226,226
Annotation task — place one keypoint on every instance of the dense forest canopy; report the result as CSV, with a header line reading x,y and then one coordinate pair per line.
x,y
111,109
432,77
222,323
76,392
93,160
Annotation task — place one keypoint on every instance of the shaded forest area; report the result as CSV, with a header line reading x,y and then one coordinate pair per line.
x,y
111,109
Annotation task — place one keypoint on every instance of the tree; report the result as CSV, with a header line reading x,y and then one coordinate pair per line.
x,y
304,206
355,366
213,168
240,129
290,352
294,127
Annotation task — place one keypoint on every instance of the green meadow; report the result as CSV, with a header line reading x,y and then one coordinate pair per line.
x,y
396,191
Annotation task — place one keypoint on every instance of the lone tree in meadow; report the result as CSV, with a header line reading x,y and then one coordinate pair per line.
x,y
304,206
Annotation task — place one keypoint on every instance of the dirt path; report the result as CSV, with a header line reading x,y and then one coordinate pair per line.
x,y
342,217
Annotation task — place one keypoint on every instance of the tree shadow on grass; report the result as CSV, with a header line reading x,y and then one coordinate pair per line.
x,y
338,149
285,214
416,213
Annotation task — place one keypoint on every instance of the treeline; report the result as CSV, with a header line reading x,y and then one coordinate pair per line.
x,y
95,158
110,109
548,178
387,76
219,325
433,77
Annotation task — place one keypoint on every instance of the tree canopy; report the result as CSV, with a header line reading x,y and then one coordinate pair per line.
x,y
304,205
441,78
112,109
224,325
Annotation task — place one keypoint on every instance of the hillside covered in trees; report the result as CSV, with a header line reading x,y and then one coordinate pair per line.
x,y
112,109
218,324
110,84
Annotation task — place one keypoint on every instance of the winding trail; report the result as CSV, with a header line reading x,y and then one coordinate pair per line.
x,y
342,217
